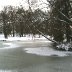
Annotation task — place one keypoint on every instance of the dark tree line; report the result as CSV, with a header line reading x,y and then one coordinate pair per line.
x,y
17,21
60,23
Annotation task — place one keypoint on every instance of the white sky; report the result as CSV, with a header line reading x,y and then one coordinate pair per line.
x,y
9,2
19,2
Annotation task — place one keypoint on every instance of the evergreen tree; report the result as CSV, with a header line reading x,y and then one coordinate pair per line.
x,y
60,19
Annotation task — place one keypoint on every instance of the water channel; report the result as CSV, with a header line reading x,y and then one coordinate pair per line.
x,y
33,56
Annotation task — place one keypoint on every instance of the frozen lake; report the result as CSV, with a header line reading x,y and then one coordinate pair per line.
x,y
33,56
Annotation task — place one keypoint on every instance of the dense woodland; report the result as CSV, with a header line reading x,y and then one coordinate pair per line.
x,y
56,22
21,22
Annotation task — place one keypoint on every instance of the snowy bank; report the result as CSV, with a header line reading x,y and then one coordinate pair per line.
x,y
21,38
45,51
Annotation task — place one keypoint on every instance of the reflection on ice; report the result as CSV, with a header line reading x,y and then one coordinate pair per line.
x,y
44,51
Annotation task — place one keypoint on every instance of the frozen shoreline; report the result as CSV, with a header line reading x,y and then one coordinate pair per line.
x,y
12,42
22,38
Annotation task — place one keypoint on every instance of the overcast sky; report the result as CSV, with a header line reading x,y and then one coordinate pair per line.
x,y
19,2
9,2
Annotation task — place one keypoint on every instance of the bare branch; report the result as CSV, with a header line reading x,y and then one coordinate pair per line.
x,y
65,16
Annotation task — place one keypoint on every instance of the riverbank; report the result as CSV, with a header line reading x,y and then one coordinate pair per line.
x,y
27,37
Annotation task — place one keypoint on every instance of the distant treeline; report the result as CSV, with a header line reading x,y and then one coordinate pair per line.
x,y
57,22
19,21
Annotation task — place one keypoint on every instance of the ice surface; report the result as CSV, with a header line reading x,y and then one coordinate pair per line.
x,y
47,52
5,71
9,45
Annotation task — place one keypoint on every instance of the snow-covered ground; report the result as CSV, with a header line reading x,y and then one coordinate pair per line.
x,y
27,37
12,42
44,51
